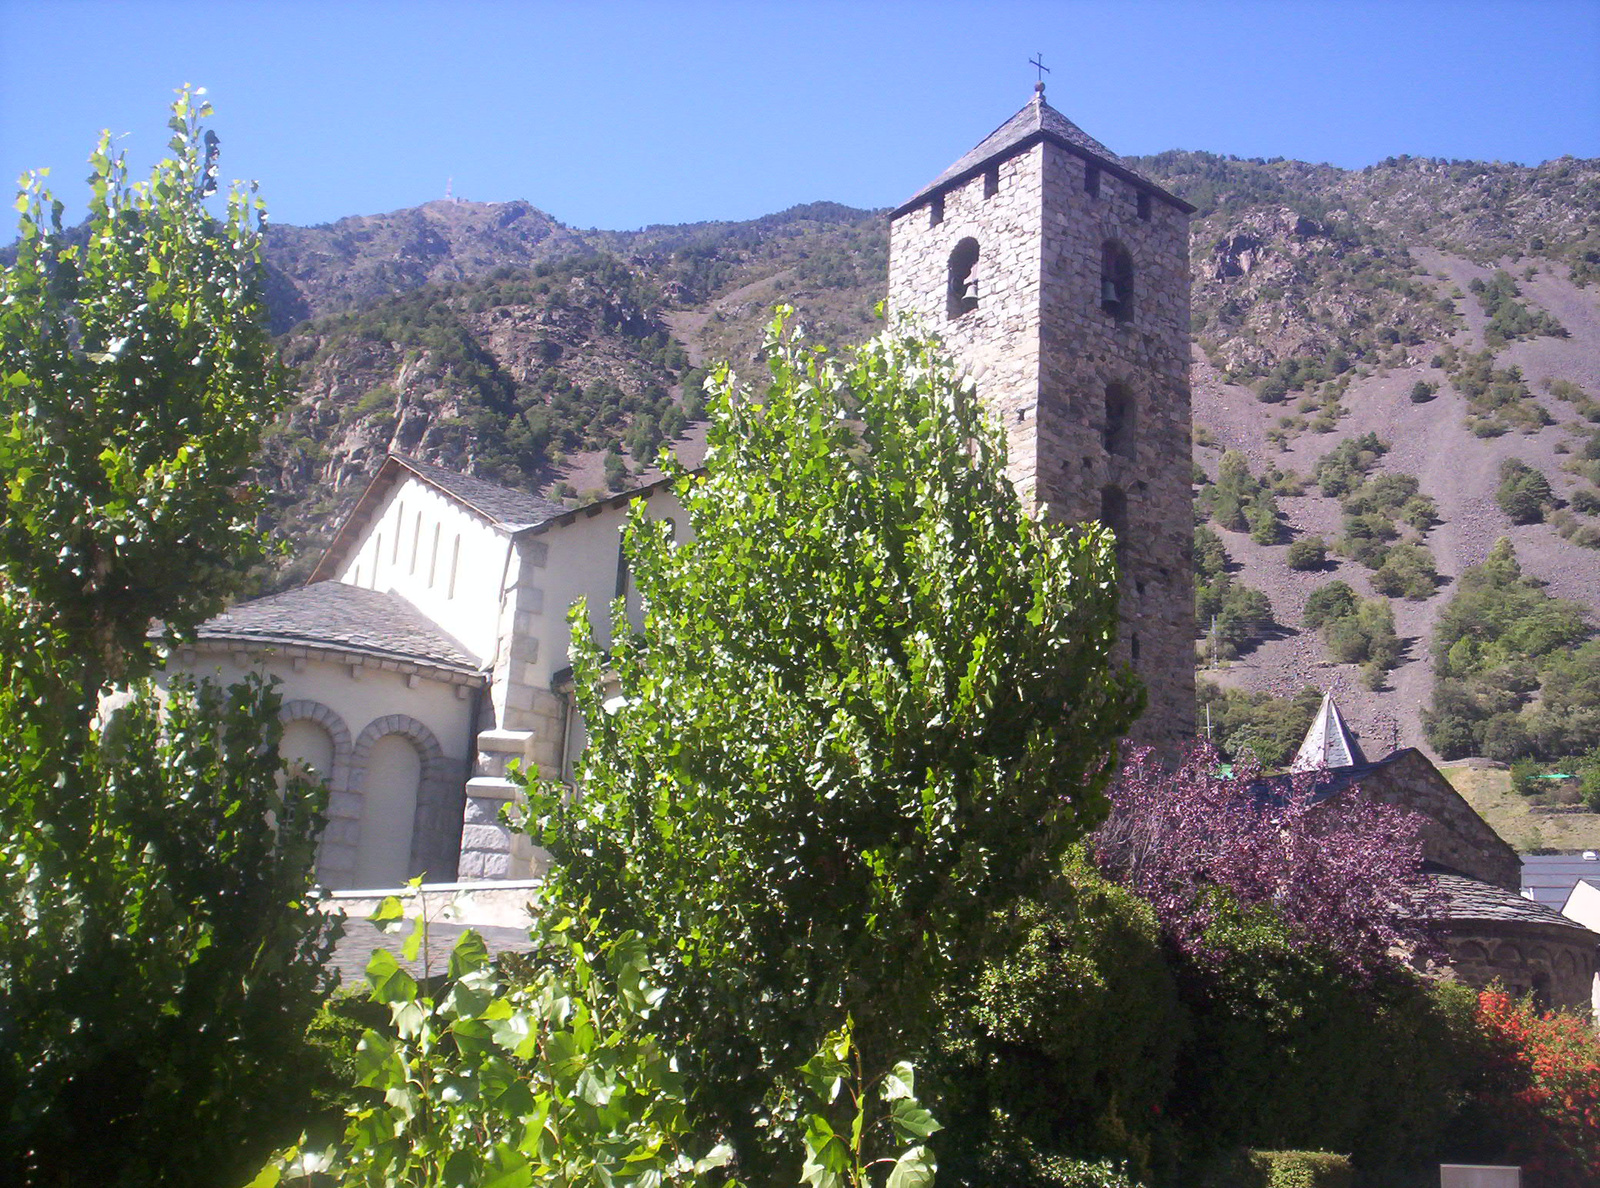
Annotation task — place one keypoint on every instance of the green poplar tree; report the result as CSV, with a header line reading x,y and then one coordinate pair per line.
x,y
871,703
159,956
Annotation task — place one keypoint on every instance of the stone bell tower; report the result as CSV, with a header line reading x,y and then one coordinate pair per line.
x,y
1059,276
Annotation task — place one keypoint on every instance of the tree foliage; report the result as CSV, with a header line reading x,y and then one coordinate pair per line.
x,y
1257,725
136,376
1516,671
159,958
871,704
1345,876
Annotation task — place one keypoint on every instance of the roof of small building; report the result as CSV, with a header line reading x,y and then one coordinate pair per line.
x,y
1035,122
1550,878
1325,783
344,618
501,506
360,939
1328,742
1471,899
509,511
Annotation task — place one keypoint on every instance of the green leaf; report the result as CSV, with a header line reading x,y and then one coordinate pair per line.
x,y
389,982
914,1169
899,1082
388,914
469,954
826,1155
413,943
911,1121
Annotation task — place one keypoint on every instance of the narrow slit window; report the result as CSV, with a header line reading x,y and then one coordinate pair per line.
x,y
1091,180
622,572
936,211
416,539
1118,430
1116,281
991,181
399,525
1144,206
377,557
433,557
455,560
1114,514
963,287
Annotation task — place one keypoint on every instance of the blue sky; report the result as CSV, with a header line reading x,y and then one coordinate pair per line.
x,y
617,115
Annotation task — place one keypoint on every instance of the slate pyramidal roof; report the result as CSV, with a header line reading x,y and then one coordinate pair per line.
x,y
1328,743
1036,122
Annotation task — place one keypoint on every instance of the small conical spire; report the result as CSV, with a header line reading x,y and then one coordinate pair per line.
x,y
1328,743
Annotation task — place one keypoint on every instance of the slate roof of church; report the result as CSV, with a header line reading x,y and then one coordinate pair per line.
x,y
344,618
501,506
508,510
1471,899
1035,122
1328,741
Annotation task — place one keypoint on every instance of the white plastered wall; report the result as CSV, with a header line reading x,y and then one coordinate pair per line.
x,y
445,560
357,705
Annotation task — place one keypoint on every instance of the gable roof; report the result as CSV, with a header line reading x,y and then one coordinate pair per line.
x,y
501,506
343,618
1328,742
504,509
1036,122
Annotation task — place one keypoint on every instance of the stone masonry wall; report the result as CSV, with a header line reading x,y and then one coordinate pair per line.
x,y
1042,353
1453,834
1553,962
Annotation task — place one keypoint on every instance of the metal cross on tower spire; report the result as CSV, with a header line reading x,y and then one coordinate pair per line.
x,y
1037,61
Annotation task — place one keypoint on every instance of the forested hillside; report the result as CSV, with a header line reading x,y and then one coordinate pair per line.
x,y
1394,369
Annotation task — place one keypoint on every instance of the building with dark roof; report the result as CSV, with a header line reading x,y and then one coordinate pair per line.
x,y
423,658
1490,930
1057,276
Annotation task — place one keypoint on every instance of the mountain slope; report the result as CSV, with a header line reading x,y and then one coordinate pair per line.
x,y
1323,298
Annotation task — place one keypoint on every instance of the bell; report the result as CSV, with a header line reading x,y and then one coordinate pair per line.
x,y
1108,292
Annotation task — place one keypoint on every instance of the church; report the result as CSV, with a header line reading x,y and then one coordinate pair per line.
x,y
428,651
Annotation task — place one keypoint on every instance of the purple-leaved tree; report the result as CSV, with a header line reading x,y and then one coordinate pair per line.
x,y
1344,873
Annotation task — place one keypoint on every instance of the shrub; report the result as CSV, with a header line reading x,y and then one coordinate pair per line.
x,y
1328,603
1280,1169
1542,1094
1422,392
1239,501
1308,553
1271,390
1407,571
1523,493
1342,469
1586,501
1289,1053
1071,1029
